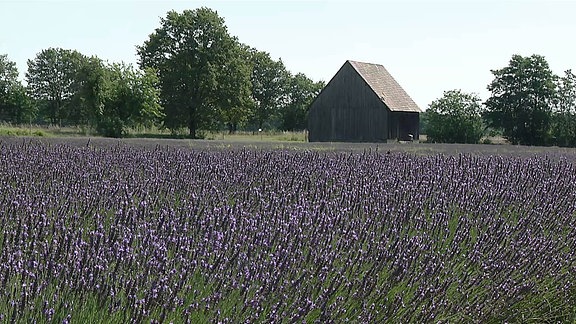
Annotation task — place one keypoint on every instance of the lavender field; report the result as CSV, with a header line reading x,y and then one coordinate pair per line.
x,y
124,233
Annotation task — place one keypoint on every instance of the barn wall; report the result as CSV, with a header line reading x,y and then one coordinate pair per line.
x,y
347,110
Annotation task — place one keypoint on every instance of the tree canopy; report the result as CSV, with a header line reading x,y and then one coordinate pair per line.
x,y
129,98
234,98
564,114
15,105
270,81
8,73
300,92
522,99
456,117
51,80
193,55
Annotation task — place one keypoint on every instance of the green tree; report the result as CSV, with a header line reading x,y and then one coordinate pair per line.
x,y
51,79
301,91
89,89
455,118
522,99
129,98
8,73
235,97
20,106
269,82
15,105
564,115
423,125
190,52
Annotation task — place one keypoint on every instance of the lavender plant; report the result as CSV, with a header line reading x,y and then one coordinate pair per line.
x,y
132,234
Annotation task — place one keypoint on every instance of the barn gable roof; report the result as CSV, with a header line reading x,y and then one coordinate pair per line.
x,y
385,86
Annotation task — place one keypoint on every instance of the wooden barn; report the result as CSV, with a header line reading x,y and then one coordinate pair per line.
x,y
363,103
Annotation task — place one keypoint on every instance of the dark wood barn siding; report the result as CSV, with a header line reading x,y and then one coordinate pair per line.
x,y
347,110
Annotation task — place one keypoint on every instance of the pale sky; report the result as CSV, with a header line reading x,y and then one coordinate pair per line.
x,y
428,46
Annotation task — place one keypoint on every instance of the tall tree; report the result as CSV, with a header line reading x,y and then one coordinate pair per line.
x,y
51,80
456,117
235,98
522,99
564,116
89,88
190,52
269,81
15,105
423,127
301,91
129,98
8,73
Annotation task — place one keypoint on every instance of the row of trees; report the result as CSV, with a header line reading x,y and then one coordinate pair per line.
x,y
192,74
64,87
529,105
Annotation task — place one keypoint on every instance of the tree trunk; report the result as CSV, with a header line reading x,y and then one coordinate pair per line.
x,y
192,128
232,127
192,124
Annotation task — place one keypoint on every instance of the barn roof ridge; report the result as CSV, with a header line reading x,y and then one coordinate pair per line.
x,y
385,86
